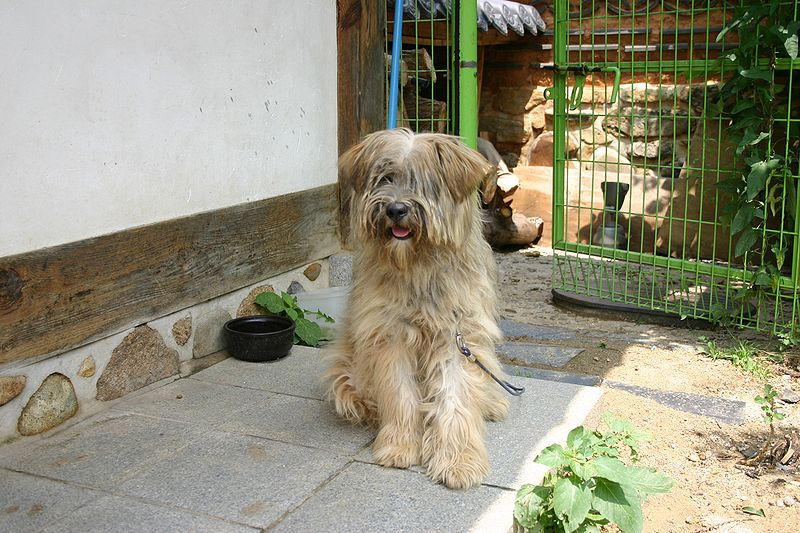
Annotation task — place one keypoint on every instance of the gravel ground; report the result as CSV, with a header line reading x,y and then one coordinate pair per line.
x,y
701,453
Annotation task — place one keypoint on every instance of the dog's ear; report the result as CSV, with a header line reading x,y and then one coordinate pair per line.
x,y
462,167
353,168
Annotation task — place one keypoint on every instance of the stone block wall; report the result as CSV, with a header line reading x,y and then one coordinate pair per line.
x,y
513,113
42,395
658,140
648,124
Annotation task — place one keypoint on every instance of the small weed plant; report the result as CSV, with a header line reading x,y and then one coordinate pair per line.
x,y
778,449
743,355
771,413
589,484
306,332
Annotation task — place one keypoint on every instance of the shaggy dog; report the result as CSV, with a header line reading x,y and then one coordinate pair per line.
x,y
422,274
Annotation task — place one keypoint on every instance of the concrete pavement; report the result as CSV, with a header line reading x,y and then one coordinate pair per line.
x,y
249,446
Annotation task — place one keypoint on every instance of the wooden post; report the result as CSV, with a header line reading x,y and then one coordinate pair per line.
x,y
360,26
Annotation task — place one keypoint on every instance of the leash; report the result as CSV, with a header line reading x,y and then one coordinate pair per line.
x,y
464,349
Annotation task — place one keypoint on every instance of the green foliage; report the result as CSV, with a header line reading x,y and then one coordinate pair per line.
x,y
306,332
768,408
743,354
750,100
590,485
754,511
787,339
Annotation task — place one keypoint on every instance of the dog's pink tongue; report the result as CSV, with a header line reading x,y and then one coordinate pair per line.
x,y
400,233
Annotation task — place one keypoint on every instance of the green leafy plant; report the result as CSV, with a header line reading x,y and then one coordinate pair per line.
x,y
754,511
590,485
754,103
771,413
306,332
743,355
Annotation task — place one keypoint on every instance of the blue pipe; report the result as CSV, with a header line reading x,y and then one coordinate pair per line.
x,y
394,81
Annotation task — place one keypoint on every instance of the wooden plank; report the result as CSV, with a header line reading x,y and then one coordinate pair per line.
x,y
58,298
361,72
361,69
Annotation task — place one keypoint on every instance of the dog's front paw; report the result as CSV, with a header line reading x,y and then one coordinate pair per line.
x,y
468,469
349,403
496,410
394,449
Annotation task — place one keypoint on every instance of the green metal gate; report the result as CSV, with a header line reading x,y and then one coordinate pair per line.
x,y
438,69
676,147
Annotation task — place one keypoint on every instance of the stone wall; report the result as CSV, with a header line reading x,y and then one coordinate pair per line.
x,y
655,138
648,124
512,110
39,396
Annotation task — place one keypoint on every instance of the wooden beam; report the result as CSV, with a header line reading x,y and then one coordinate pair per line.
x,y
361,69
62,297
361,72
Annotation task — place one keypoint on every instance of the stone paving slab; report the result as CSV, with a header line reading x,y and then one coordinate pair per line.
x,y
553,375
27,503
240,478
197,402
249,411
369,498
724,410
300,421
542,415
545,413
511,328
536,354
299,374
125,515
196,454
102,451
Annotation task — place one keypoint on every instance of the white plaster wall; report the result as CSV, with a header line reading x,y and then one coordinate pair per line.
x,y
119,113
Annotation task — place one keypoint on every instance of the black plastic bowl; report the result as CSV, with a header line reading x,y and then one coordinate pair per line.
x,y
259,338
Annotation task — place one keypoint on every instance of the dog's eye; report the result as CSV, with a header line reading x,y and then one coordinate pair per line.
x,y
385,180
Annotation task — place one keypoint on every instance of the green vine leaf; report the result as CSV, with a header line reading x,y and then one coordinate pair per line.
x,y
779,250
787,36
742,105
746,241
751,139
756,74
743,218
757,179
762,279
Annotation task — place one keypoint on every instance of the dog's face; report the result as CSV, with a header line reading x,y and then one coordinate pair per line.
x,y
408,191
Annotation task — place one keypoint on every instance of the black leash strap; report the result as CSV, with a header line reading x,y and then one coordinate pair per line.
x,y
464,349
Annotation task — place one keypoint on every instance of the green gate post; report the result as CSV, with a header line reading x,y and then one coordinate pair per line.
x,y
468,72
561,8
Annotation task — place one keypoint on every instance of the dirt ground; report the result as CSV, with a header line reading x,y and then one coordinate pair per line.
x,y
699,453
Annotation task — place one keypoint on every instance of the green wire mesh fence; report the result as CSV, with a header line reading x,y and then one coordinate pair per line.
x,y
427,80
677,139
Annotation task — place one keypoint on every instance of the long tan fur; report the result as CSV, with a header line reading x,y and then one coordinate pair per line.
x,y
396,364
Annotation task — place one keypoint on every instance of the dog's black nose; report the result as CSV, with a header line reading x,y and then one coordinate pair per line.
x,y
396,211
